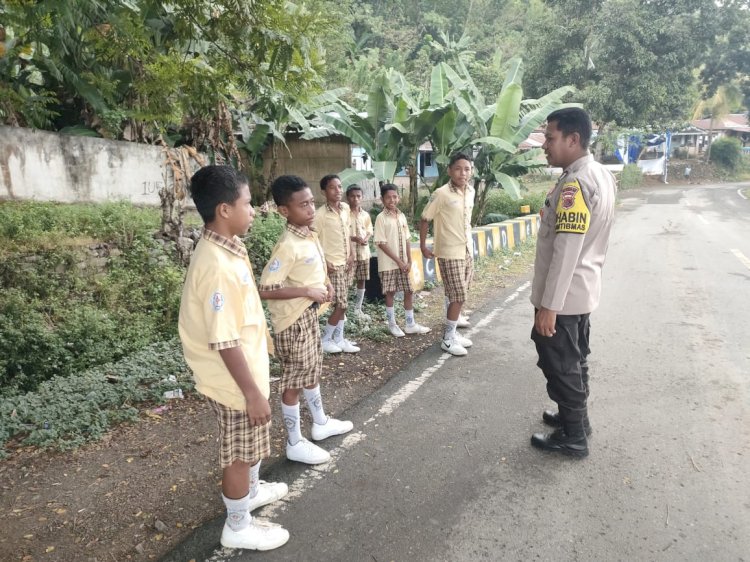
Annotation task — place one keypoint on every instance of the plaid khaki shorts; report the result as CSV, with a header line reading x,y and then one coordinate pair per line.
x,y
395,280
299,351
362,270
238,440
456,276
340,279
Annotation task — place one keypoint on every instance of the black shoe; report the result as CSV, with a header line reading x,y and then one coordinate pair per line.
x,y
560,442
552,419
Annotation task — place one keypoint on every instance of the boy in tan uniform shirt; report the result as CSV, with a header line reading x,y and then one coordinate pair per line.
x,y
333,225
223,332
450,208
361,231
394,261
295,284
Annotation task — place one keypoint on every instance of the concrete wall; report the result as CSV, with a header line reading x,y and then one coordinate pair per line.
x,y
46,166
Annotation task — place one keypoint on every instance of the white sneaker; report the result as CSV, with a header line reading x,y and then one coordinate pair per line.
x,y
268,492
346,346
453,347
259,535
463,322
465,342
330,428
330,347
417,329
306,452
396,331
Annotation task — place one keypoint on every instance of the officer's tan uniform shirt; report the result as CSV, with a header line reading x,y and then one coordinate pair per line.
x,y
573,237
296,261
450,209
361,225
221,309
333,231
393,230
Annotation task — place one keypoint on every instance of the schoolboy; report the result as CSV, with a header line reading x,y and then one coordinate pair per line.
x,y
450,208
295,284
361,232
394,261
333,224
223,332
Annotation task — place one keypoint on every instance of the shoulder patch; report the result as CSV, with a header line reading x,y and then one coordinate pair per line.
x,y
274,266
572,213
217,301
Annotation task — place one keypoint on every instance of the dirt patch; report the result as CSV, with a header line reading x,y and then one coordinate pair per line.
x,y
141,490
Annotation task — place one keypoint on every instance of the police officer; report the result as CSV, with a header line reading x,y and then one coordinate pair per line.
x,y
575,224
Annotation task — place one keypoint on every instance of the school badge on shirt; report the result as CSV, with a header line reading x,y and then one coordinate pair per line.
x,y
217,301
572,214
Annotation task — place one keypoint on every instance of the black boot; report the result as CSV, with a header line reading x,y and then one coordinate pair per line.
x,y
568,441
552,418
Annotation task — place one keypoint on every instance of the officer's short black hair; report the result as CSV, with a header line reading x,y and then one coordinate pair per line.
x,y
212,185
573,120
284,187
353,187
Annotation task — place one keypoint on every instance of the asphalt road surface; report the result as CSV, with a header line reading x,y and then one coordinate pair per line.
x,y
439,467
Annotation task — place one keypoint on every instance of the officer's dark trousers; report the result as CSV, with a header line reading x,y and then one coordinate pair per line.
x,y
562,359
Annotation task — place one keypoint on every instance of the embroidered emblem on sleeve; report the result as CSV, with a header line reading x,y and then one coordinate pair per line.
x,y
275,265
217,301
572,213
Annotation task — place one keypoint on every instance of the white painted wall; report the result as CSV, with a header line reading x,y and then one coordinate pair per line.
x,y
44,166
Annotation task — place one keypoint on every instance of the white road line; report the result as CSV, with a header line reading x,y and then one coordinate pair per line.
x,y
306,480
739,192
742,257
703,219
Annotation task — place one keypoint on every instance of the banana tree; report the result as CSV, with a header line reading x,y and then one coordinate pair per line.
x,y
492,132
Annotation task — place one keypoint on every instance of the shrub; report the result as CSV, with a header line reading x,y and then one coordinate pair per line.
x,y
262,238
493,218
65,412
631,176
501,202
727,153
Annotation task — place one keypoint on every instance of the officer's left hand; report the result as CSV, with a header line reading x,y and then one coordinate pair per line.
x,y
544,322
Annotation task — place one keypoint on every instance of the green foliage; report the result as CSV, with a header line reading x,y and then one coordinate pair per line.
x,y
631,176
500,202
67,411
32,223
492,218
727,153
262,238
65,309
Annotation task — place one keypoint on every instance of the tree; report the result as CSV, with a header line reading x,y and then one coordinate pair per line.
x,y
631,61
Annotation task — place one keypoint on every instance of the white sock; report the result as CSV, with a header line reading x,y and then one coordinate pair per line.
x,y
315,404
360,298
409,317
338,333
238,514
328,331
291,421
391,314
254,479
450,329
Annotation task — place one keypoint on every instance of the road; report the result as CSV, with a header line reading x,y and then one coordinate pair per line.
x,y
440,467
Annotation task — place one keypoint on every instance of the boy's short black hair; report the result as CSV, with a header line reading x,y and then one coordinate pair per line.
x,y
353,187
325,179
386,187
573,120
212,185
456,156
284,187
